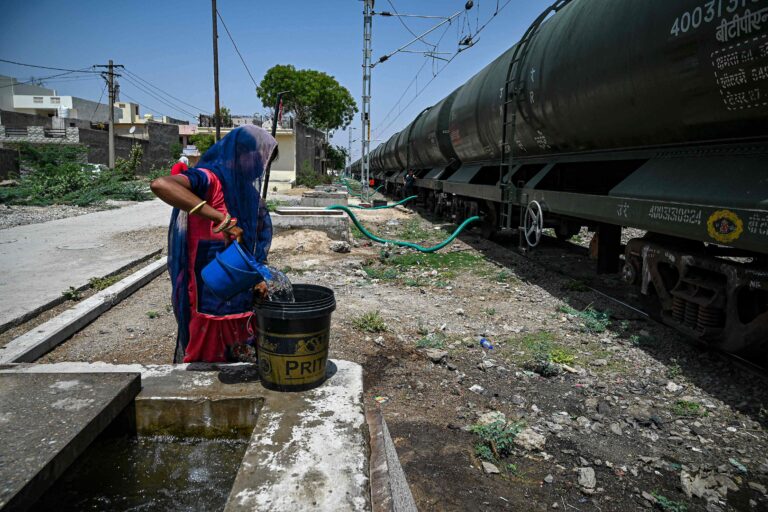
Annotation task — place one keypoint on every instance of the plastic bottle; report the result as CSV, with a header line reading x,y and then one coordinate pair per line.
x,y
486,344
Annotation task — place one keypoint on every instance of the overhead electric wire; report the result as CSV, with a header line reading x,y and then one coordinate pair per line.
x,y
98,103
237,49
435,75
45,67
158,98
143,80
151,110
39,79
400,19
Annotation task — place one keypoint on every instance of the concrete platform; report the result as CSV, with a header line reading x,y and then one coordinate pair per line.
x,y
40,261
47,420
322,199
333,222
307,451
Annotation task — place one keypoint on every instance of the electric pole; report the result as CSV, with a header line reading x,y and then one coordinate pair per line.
x,y
111,84
217,114
366,114
349,147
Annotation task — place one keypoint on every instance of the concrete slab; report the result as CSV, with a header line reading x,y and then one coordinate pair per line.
x,y
307,210
322,199
335,225
47,421
42,260
44,337
309,450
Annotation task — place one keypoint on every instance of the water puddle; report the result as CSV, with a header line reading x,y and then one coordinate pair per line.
x,y
148,473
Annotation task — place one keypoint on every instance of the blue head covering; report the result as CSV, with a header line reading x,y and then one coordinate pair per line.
x,y
238,161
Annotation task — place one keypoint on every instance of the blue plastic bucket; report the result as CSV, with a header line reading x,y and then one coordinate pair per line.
x,y
232,271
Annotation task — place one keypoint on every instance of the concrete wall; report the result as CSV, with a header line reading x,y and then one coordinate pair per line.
x,y
10,86
21,120
161,138
9,163
310,150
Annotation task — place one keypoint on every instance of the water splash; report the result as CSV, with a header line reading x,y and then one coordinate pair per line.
x,y
279,288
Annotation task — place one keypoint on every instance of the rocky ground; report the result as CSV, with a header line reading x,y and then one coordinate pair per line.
x,y
581,404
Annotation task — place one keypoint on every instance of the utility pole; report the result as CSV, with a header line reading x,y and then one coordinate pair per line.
x,y
366,114
217,114
349,146
111,84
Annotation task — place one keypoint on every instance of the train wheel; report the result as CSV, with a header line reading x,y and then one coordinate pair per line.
x,y
533,224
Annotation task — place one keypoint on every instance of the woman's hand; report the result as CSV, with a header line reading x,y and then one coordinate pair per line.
x,y
260,292
233,232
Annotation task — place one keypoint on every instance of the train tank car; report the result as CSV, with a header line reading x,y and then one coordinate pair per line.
x,y
610,114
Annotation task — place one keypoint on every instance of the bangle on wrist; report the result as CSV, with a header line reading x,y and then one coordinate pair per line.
x,y
196,208
224,224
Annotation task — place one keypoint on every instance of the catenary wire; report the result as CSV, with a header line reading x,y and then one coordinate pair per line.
x,y
46,67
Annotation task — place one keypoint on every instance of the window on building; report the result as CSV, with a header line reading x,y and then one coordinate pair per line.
x,y
136,108
122,105
37,99
55,100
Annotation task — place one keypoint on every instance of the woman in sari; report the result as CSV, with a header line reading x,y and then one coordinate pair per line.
x,y
215,203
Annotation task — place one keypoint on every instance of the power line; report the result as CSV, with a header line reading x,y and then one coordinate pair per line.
x,y
137,77
237,49
159,98
400,19
40,79
98,103
46,67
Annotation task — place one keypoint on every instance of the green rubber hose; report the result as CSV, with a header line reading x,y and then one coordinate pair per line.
x,y
400,243
380,207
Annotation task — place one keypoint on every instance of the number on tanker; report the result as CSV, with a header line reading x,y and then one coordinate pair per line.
x,y
675,27
685,22
696,17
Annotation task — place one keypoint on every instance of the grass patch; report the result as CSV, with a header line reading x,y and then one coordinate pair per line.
x,y
688,409
382,274
668,505
438,260
561,356
541,346
355,232
274,204
413,230
416,282
496,439
102,283
490,311
152,314
595,321
433,340
674,370
642,341
72,293
370,322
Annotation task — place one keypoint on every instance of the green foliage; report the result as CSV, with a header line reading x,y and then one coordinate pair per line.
x,y
163,169
274,204
674,370
225,115
668,505
203,141
382,274
152,314
176,149
370,322
496,439
337,156
307,177
561,356
594,321
688,409
58,176
127,168
432,340
490,311
101,283
72,293
316,98
504,276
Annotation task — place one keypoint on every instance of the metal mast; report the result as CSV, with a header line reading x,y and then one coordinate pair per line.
x,y
366,114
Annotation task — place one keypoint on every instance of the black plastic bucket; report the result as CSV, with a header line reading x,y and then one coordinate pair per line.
x,y
292,338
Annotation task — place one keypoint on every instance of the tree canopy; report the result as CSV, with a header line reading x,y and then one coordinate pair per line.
x,y
337,157
316,98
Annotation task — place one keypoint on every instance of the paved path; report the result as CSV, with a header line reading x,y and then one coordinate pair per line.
x,y
39,261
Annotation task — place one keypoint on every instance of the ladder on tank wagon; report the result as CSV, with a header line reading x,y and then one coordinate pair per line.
x,y
512,101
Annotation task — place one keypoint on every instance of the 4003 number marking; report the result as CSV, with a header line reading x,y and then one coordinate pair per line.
x,y
707,13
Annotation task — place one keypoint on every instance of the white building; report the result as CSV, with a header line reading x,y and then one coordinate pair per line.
x,y
41,101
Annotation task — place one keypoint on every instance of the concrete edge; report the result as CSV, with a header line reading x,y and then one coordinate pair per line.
x,y
33,344
60,300
389,487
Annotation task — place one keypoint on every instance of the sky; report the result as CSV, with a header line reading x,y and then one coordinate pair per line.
x,y
168,44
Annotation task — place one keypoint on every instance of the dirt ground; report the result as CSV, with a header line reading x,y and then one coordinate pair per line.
x,y
581,404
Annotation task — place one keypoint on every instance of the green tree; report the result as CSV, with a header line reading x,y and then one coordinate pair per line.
x,y
202,141
337,156
316,98
226,116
